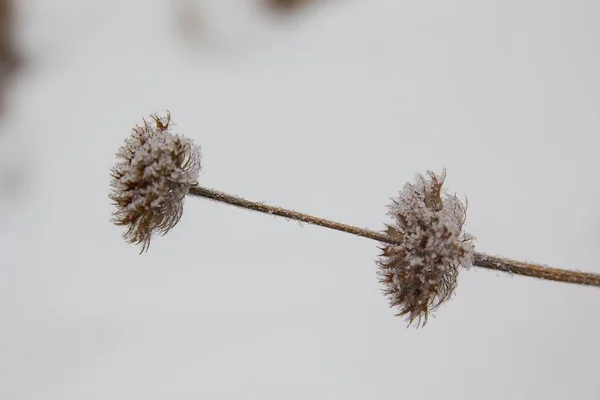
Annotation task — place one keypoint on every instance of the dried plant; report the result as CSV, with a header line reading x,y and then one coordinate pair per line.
x,y
422,250
420,274
154,172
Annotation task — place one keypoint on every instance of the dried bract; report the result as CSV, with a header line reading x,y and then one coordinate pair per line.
x,y
154,171
420,273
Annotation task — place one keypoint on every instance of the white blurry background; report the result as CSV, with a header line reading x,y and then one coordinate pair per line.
x,y
329,111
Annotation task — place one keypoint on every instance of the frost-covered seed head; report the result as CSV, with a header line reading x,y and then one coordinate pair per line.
x,y
420,273
154,171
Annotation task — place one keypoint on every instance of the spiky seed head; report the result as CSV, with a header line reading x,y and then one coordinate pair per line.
x,y
153,173
420,272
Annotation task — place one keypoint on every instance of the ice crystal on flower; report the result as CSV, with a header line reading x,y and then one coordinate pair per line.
x,y
154,171
420,272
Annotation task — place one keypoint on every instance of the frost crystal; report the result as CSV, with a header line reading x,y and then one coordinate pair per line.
x,y
420,272
154,171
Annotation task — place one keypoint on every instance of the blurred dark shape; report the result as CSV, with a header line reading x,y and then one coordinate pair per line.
x,y
12,173
286,5
189,20
9,61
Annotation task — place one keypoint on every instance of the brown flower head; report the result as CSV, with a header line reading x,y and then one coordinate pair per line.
x,y
154,171
420,272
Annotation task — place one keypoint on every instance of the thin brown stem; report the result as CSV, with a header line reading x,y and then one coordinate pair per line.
x,y
534,270
479,259
282,212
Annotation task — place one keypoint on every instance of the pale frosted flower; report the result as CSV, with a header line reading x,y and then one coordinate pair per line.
x,y
154,171
423,248
420,272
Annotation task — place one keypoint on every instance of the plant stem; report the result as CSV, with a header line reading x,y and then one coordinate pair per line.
x,y
282,212
534,270
479,259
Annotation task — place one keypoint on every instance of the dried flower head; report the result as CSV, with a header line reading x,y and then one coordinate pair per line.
x,y
154,171
420,272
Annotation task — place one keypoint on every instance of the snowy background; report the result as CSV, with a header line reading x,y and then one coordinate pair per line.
x,y
328,111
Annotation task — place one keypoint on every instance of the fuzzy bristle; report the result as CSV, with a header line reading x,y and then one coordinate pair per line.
x,y
420,273
154,171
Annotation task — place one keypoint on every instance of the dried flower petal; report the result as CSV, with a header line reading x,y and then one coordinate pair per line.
x,y
420,274
154,171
